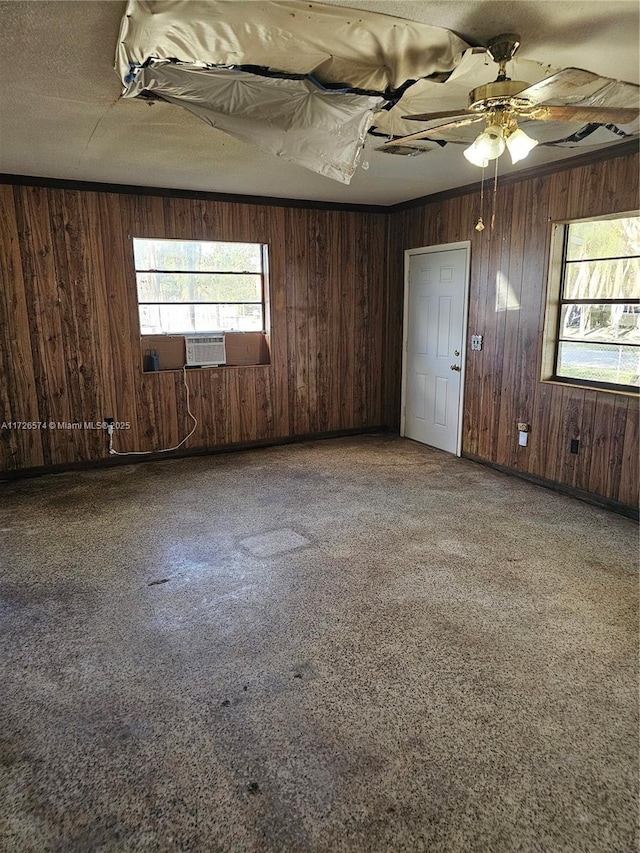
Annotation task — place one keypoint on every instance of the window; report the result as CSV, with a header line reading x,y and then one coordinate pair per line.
x,y
187,286
598,317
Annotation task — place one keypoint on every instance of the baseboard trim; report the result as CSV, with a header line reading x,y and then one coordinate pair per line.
x,y
587,497
115,461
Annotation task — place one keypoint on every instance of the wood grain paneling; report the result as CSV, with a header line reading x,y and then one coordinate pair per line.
x,y
18,393
69,336
507,305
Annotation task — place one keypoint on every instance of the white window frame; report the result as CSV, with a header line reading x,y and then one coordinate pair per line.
x,y
555,301
263,284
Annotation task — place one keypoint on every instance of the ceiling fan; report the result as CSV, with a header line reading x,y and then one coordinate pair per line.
x,y
503,102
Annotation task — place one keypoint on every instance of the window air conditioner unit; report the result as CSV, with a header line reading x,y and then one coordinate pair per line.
x,y
205,350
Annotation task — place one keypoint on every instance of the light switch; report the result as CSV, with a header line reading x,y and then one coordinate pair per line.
x,y
523,437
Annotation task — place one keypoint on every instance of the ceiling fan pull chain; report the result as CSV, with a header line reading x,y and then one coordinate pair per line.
x,y
495,195
479,226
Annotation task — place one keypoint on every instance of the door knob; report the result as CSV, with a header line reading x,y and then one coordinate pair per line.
x,y
455,367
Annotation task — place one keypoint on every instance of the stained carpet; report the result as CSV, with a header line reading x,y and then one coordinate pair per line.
x,y
352,645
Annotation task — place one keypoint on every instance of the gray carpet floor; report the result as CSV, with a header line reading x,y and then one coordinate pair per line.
x,y
359,644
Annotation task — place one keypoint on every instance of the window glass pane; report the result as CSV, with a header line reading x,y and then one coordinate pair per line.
x,y
182,319
607,238
178,287
603,279
197,255
604,323
612,363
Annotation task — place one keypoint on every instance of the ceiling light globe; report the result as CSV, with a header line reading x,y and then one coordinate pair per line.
x,y
475,157
519,145
491,143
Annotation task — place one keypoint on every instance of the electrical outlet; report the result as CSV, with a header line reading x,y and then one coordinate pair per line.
x,y
575,445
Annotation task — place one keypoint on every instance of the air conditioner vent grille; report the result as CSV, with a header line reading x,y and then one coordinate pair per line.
x,y
205,350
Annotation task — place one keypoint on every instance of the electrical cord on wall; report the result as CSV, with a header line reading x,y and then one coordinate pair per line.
x,y
111,428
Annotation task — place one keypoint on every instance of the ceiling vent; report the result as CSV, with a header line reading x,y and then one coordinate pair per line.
x,y
403,150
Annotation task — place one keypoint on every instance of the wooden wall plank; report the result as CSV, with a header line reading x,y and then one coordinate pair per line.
x,y
475,361
572,408
376,259
616,440
537,230
602,446
248,404
360,337
320,249
77,223
347,329
506,303
311,330
18,393
220,429
630,466
264,407
400,239
44,274
278,385
302,399
335,338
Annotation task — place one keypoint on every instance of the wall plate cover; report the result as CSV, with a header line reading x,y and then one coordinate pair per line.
x,y
476,342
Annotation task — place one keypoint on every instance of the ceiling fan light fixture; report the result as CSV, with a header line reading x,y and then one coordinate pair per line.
x,y
491,144
519,145
475,156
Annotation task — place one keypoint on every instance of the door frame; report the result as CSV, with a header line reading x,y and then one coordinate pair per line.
x,y
408,253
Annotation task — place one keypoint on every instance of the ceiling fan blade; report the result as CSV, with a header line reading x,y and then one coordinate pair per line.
x,y
432,116
587,115
565,84
423,134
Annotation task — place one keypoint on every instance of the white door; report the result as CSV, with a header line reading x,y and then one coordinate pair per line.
x,y
435,317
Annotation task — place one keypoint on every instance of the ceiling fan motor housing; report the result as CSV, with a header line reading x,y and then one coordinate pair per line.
x,y
503,48
497,95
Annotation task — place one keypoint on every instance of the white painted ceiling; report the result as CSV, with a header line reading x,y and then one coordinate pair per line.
x,y
61,115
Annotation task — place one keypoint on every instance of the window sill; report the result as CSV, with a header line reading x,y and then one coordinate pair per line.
x,y
243,349
585,386
193,368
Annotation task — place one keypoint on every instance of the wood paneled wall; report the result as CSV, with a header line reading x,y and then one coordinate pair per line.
x,y
69,333
69,336
502,384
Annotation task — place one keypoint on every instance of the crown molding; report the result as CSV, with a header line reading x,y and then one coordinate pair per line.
x,y
611,152
195,195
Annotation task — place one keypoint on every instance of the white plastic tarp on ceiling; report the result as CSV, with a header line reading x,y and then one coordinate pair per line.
x,y
289,118
299,80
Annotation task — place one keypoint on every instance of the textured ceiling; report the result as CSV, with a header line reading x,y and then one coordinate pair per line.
x,y
61,115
